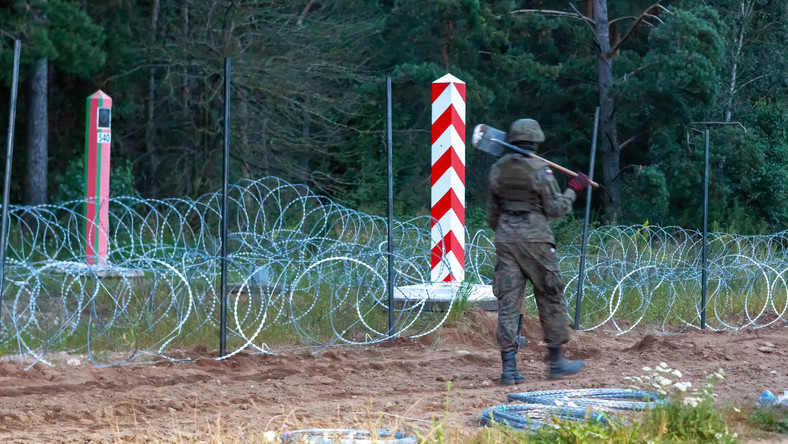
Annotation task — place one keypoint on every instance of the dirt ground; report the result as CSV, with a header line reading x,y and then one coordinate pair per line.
x,y
401,386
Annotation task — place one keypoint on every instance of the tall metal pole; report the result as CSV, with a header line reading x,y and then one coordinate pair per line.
x,y
9,152
582,274
225,180
390,198
704,272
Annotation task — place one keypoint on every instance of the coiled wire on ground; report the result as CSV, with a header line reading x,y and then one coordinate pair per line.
x,y
599,399
347,436
540,408
533,417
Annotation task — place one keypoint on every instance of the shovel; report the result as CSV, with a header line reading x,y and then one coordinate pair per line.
x,y
491,140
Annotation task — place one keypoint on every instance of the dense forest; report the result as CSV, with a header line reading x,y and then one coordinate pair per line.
x,y
309,97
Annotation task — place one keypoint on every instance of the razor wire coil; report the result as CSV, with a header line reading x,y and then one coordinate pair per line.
x,y
304,270
348,436
539,409
533,417
599,399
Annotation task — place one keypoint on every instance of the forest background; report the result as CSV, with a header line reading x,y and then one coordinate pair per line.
x,y
309,97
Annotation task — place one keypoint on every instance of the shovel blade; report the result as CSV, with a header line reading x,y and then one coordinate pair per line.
x,y
487,139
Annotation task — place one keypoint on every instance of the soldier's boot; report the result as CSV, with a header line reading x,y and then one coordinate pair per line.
x,y
510,376
559,366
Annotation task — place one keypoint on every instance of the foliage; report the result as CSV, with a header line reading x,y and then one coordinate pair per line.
x,y
460,306
308,100
71,181
649,195
68,37
772,419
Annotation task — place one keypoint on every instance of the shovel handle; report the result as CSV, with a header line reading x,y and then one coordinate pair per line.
x,y
566,171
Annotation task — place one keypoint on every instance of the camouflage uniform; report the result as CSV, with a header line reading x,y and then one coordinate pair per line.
x,y
523,193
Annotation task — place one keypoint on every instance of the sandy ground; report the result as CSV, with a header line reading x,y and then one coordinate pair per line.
x,y
401,386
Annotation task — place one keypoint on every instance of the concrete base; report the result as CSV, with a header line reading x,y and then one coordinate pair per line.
x,y
100,271
438,295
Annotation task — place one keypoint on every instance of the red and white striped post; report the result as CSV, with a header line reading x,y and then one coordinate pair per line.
x,y
98,136
448,180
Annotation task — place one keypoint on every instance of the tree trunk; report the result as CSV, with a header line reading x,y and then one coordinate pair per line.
x,y
445,46
266,164
305,134
150,130
35,192
746,11
610,149
185,103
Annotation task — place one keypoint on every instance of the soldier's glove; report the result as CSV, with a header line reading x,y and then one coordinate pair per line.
x,y
579,183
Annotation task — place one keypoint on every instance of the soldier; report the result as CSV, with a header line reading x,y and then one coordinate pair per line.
x,y
522,195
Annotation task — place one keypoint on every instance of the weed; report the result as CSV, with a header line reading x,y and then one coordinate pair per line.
x,y
461,304
771,419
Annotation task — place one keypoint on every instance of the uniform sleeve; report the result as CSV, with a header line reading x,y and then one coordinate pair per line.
x,y
494,199
554,202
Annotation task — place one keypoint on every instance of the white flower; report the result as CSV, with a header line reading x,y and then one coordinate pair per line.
x,y
735,435
646,369
718,435
663,381
677,373
556,426
737,410
690,401
682,387
270,436
662,364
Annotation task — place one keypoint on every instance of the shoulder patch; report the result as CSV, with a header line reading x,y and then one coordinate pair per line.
x,y
548,171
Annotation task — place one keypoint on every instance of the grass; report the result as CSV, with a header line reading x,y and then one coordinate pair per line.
x,y
770,419
145,316
123,315
142,313
461,305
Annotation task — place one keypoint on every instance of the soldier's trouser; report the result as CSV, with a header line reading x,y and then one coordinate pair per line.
x,y
518,263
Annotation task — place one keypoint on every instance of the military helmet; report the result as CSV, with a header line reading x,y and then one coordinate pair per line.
x,y
525,130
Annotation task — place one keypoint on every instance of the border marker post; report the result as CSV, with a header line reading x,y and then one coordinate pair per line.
x,y
98,135
447,246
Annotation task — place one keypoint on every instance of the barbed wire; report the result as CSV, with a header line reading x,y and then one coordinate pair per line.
x,y
304,271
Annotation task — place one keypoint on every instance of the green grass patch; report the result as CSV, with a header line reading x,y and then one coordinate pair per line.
x,y
674,422
770,419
